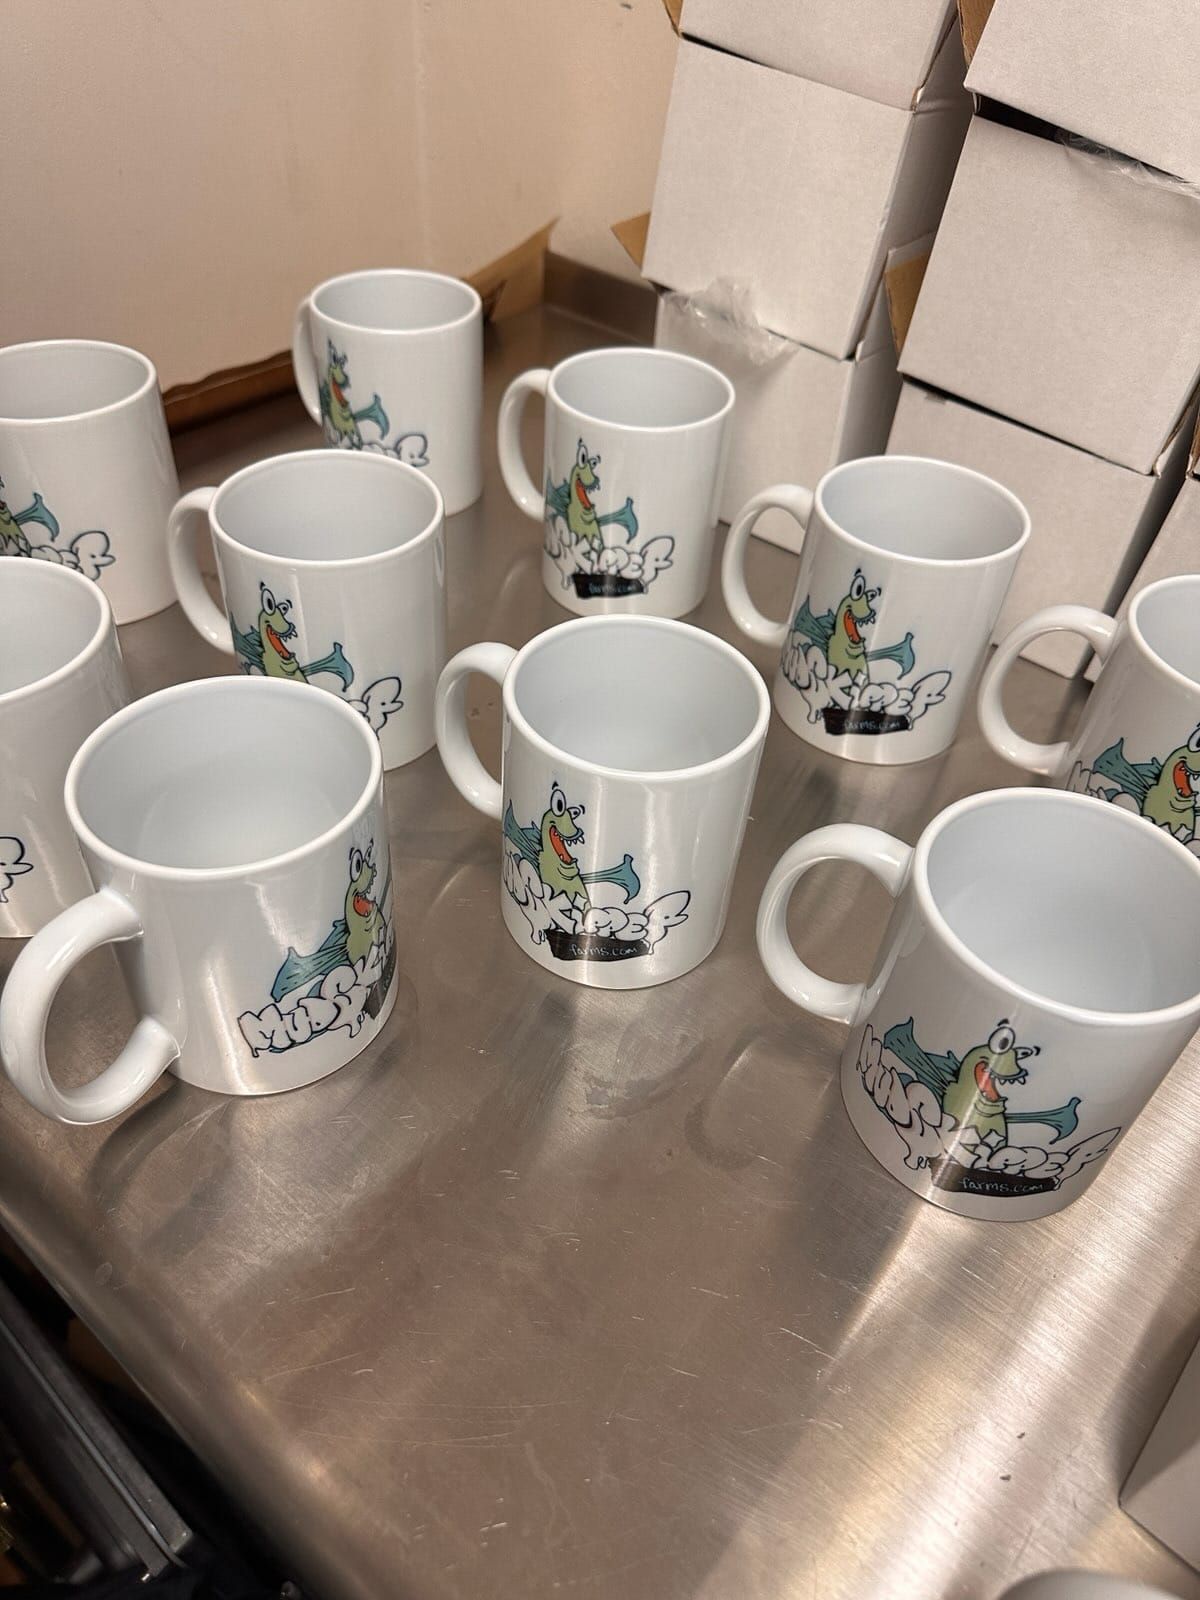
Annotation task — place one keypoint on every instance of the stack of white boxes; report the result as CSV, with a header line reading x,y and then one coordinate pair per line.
x,y
1056,341
799,153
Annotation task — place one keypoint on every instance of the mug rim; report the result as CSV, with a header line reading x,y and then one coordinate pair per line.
x,y
242,869
669,357
328,563
149,380
1140,639
639,775
473,310
1062,1009
83,656
954,469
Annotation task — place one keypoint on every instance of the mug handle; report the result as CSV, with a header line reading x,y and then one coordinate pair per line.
x,y
304,366
508,437
467,773
798,503
198,605
1042,759
103,918
887,858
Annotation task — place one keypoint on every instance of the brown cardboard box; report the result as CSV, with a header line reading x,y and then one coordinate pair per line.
x,y
798,413
797,190
1063,293
1092,521
818,40
1163,1490
1124,75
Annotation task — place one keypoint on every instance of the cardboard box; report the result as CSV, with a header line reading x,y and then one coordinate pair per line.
x,y
1121,74
1163,1490
1092,521
1062,293
1176,550
797,190
797,414
885,56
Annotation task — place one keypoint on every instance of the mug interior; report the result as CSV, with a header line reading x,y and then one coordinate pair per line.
x,y
1079,904
325,505
928,510
637,696
641,388
1167,616
395,302
229,773
40,381
47,618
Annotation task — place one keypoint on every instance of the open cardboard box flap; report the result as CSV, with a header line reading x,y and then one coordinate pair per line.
x,y
1122,74
902,280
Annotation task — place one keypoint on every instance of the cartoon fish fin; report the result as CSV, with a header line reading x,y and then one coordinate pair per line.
x,y
246,646
324,398
901,653
334,663
1135,778
625,517
817,630
298,969
527,840
937,1073
625,878
558,497
376,414
38,512
1063,1119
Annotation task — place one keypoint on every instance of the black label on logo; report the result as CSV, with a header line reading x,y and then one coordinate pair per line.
x,y
593,585
855,719
952,1175
567,946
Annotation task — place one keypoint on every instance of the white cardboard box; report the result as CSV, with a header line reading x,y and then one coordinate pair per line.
x,y
797,414
1064,294
1163,1490
1092,521
1123,73
886,55
797,190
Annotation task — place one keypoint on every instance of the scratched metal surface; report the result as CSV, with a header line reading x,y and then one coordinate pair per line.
x,y
564,1292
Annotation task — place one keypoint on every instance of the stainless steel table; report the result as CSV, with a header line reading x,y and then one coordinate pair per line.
x,y
558,1292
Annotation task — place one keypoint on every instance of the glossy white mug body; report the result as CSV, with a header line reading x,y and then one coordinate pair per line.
x,y
635,444
235,834
333,572
630,749
61,675
1028,997
87,477
903,569
1137,742
391,361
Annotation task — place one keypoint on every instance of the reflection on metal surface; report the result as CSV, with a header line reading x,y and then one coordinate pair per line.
x,y
557,1291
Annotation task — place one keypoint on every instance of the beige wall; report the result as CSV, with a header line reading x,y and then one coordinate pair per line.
x,y
175,175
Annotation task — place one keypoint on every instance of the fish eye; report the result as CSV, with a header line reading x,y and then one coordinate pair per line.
x,y
1193,743
558,801
1002,1040
285,606
356,863
581,455
859,587
268,599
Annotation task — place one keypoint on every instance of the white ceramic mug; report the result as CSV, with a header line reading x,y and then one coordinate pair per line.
x,y
903,569
630,749
392,361
1138,739
60,676
1030,992
87,477
1075,1584
333,572
235,833
635,445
